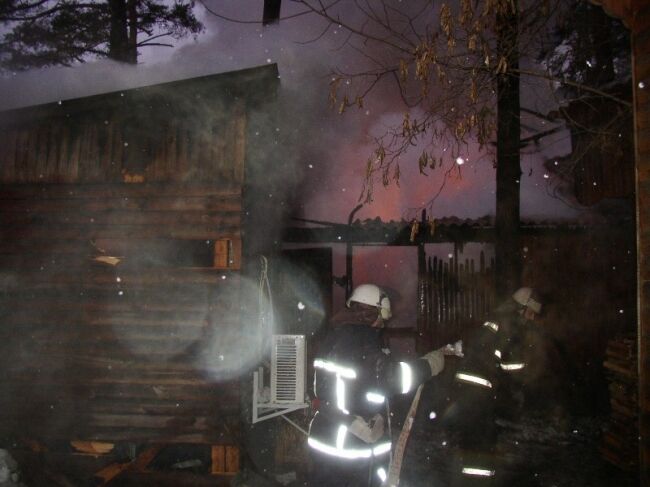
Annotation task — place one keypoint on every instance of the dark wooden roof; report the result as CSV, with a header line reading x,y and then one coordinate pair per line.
x,y
171,95
439,230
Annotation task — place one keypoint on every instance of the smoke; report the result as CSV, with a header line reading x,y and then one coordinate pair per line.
x,y
306,160
321,155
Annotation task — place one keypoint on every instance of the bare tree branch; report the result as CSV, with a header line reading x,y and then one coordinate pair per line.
x,y
580,86
244,21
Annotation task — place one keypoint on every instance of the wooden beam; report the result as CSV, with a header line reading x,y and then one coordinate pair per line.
x,y
225,460
139,464
92,447
401,236
118,190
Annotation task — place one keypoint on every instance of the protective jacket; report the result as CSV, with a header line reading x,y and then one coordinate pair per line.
x,y
353,378
494,355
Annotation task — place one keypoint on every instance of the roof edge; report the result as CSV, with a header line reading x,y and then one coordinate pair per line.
x,y
227,80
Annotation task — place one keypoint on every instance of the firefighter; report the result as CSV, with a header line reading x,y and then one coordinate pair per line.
x,y
353,379
482,387
521,349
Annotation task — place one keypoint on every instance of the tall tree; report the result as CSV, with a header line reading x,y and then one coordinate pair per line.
x,y
508,161
48,32
457,67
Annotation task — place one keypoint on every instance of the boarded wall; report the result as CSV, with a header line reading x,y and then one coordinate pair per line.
x,y
601,165
120,258
587,286
636,15
176,134
641,53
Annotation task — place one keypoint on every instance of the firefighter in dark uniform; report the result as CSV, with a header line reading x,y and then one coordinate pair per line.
x,y
354,377
486,384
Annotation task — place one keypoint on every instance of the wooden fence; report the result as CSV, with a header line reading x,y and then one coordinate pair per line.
x,y
452,296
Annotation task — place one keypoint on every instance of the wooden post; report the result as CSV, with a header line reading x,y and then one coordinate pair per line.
x,y
225,460
435,288
423,340
348,254
139,464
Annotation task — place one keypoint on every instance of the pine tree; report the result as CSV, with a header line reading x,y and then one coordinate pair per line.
x,y
42,33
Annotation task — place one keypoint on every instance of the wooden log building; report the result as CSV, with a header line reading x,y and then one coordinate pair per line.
x,y
121,220
635,14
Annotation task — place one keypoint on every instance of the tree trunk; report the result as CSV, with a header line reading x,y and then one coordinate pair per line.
x,y
120,49
507,247
132,54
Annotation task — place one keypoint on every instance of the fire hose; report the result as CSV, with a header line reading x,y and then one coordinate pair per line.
x,y
400,447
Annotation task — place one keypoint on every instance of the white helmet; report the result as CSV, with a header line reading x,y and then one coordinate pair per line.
x,y
373,296
528,297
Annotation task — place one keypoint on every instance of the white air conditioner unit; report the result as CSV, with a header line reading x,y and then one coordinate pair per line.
x,y
288,369
288,374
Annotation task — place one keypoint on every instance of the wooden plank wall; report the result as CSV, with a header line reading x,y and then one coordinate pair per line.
x,y
110,145
119,312
641,54
604,169
131,351
636,15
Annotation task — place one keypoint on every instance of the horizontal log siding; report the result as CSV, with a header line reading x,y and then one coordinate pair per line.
x,y
640,25
117,353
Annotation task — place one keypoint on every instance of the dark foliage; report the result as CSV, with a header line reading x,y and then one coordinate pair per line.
x,y
587,46
49,32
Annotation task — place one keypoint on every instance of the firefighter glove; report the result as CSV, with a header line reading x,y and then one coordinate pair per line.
x,y
368,432
436,360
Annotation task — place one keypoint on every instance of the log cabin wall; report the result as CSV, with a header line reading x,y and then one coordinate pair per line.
x,y
120,262
641,56
601,167
636,16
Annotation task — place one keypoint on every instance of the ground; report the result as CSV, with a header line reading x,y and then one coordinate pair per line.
x,y
538,451
541,447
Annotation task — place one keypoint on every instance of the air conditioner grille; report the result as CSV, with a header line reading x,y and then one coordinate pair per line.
x,y
288,369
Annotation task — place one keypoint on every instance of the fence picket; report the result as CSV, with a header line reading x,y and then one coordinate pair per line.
x,y
456,296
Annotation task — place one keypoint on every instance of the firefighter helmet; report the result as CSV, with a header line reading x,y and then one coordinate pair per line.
x,y
373,296
528,298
